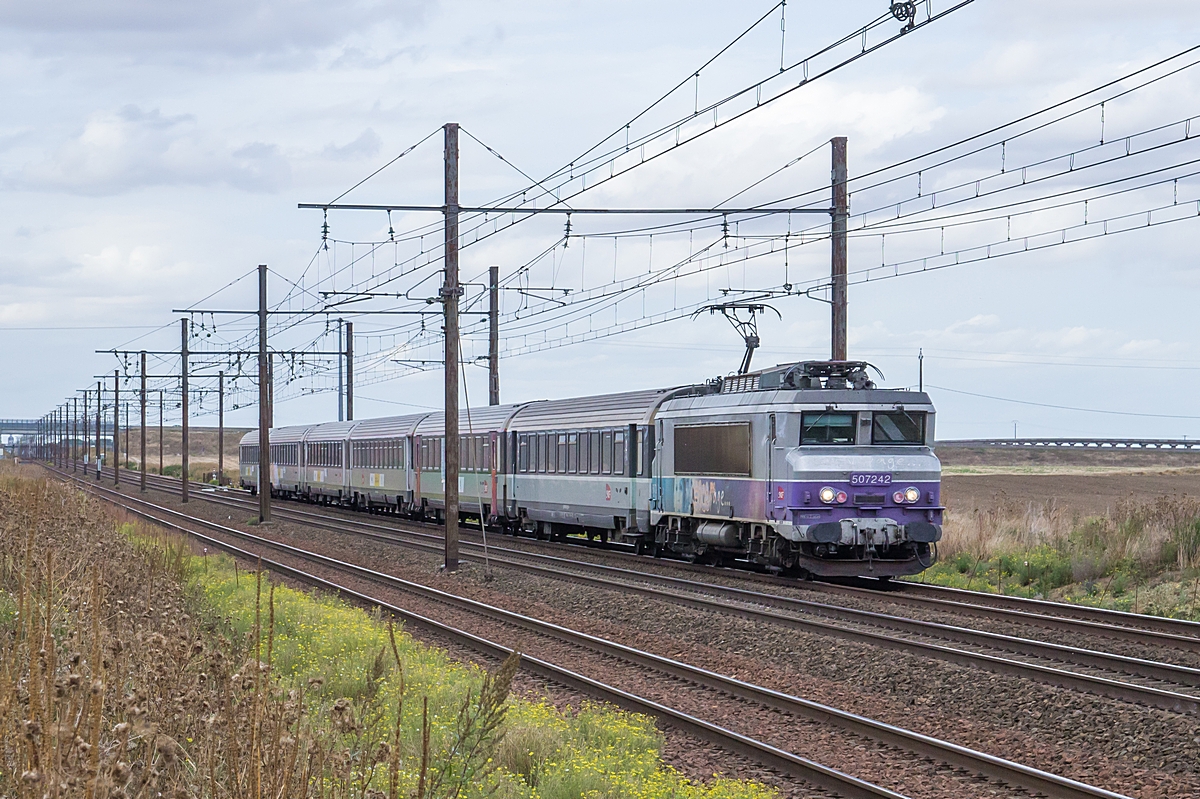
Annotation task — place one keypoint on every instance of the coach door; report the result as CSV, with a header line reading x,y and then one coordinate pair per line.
x,y
417,463
656,469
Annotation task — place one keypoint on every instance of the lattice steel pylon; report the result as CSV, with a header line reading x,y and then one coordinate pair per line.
x,y
747,328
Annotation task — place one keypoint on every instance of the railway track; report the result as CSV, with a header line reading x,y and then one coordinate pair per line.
x,y
968,761
1118,625
1156,684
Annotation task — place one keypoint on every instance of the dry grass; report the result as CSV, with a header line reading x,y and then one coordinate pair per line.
x,y
1156,535
109,688
131,666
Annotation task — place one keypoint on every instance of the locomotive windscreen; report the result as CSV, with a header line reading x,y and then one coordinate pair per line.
x,y
825,427
713,449
900,427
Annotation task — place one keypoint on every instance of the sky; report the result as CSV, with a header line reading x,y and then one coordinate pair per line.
x,y
153,154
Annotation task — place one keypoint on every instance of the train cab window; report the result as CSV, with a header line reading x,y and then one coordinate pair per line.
x,y
619,452
898,427
826,427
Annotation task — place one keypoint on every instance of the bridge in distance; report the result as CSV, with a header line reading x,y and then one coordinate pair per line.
x,y
1075,443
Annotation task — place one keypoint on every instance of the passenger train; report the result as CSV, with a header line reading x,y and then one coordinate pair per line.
x,y
805,468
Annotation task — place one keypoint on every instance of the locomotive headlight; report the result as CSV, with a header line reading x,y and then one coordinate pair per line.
x,y
911,495
827,495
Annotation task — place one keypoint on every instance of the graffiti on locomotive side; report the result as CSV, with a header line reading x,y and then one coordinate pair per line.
x,y
707,498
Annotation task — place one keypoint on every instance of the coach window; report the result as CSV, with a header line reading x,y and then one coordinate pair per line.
x,y
606,440
562,453
826,427
487,454
619,462
542,456
522,453
572,453
551,453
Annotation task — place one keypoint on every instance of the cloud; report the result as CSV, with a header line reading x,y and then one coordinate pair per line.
x,y
236,28
365,146
131,148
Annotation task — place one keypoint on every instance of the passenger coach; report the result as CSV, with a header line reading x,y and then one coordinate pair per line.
x,y
806,467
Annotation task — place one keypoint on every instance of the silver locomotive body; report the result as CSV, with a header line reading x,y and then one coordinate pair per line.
x,y
806,473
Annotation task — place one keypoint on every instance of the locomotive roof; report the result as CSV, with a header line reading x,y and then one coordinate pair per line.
x,y
815,397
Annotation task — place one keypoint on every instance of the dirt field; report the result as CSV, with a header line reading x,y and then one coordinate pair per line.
x,y
1082,482
202,445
